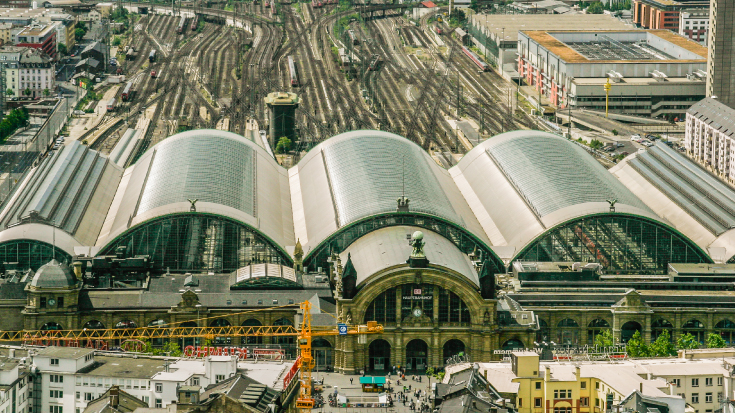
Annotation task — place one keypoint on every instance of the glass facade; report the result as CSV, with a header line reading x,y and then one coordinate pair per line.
x,y
418,300
198,242
460,237
622,244
30,253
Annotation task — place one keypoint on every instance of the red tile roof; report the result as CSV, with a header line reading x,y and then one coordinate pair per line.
x,y
428,4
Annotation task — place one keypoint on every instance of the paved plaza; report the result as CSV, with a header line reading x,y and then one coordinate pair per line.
x,y
354,392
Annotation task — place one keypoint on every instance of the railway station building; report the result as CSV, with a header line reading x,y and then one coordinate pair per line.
x,y
528,239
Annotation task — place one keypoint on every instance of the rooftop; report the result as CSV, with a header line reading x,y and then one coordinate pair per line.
x,y
125,367
64,352
636,46
510,24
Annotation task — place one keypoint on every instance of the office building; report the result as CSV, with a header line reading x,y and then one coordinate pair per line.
x,y
282,116
720,57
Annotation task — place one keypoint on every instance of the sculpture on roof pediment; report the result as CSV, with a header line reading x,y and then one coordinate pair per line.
x,y
189,301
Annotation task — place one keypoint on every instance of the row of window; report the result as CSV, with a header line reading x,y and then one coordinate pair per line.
x,y
708,398
708,381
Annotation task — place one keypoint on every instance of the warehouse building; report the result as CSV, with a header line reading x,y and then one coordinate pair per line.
x,y
653,73
368,228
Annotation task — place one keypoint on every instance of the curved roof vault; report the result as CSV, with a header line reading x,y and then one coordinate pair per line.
x,y
387,247
520,184
359,174
227,174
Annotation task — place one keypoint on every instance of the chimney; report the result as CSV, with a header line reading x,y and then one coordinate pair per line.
x,y
114,396
640,387
576,372
547,376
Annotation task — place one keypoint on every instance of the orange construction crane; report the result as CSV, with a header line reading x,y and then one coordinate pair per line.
x,y
304,335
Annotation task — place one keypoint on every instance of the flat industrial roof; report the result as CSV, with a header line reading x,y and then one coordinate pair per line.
x,y
64,352
126,367
569,55
510,24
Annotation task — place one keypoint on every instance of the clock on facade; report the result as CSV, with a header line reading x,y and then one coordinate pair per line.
x,y
51,302
417,312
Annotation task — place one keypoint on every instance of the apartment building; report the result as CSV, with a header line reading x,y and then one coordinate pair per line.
x,y
710,125
694,24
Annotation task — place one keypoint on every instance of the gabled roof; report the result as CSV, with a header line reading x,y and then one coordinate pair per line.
x,y
428,4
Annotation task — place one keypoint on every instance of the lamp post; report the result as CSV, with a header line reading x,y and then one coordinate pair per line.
x,y
607,88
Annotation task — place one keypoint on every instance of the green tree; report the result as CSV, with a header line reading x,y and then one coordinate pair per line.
x,y
117,41
61,47
46,92
9,92
595,144
662,346
604,339
79,33
636,347
687,342
27,92
283,145
595,8
714,340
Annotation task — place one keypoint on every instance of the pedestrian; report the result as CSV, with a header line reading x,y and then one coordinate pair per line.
x,y
351,380
409,387
419,379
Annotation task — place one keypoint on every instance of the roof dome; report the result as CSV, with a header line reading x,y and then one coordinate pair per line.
x,y
53,275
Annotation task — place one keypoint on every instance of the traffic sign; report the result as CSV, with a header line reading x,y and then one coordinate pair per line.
x,y
342,328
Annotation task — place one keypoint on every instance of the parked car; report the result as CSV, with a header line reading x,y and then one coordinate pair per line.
x,y
635,137
79,112
619,144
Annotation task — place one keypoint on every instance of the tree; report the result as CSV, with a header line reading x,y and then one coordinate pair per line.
x,y
9,92
117,41
61,47
636,347
27,92
79,33
283,145
46,92
604,339
714,340
662,346
595,8
687,342
595,144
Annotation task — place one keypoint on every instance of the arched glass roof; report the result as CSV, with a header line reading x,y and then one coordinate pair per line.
x,y
226,174
363,173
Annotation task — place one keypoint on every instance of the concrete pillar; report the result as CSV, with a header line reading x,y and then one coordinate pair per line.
x,y
399,304
647,329
677,327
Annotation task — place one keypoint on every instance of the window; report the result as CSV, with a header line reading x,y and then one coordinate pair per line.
x,y
145,399
719,381
597,385
56,394
695,382
695,397
218,378
56,409
537,402
584,401
538,385
54,362
56,378
520,402
562,410
43,302
88,397
719,397
60,302
78,395
159,387
159,403
195,381
583,385
708,381
677,382
708,398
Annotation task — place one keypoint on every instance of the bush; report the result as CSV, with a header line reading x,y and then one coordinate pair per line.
x,y
283,145
615,132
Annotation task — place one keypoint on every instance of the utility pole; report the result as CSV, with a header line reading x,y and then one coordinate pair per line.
x,y
607,86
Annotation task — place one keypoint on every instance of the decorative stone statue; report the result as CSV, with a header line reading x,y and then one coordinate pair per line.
x,y
417,242
193,207
349,318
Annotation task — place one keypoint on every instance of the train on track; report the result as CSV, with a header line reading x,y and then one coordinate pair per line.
x,y
475,58
111,104
292,72
316,4
195,23
182,25
127,92
152,56
353,37
438,30
375,62
153,73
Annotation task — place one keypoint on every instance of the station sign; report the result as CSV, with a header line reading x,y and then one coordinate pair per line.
x,y
242,353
